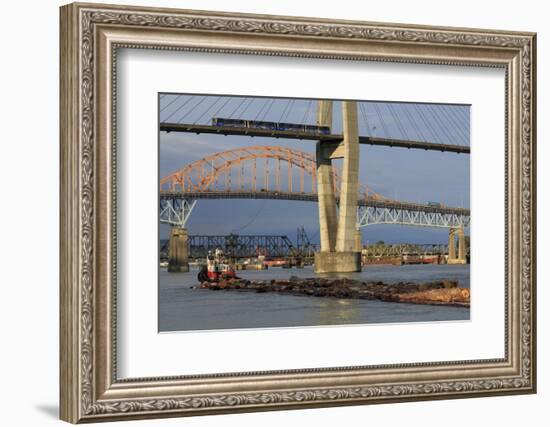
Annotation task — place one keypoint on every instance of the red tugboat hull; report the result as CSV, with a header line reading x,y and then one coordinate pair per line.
x,y
216,276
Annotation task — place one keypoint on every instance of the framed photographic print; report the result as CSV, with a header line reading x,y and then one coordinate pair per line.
x,y
267,212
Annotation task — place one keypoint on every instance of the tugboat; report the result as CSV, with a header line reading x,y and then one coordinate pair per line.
x,y
216,268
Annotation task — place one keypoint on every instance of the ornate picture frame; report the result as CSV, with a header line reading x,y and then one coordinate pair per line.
x,y
90,37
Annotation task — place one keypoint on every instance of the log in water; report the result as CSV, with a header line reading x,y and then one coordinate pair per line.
x,y
443,292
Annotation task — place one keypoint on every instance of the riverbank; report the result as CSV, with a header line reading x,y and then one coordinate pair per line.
x,y
441,292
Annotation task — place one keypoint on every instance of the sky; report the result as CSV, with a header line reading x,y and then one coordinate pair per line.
x,y
396,173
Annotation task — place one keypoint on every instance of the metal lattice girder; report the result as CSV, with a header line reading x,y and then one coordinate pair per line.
x,y
241,246
382,250
370,215
176,210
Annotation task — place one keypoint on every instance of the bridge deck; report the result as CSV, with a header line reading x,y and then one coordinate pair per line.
x,y
334,138
308,197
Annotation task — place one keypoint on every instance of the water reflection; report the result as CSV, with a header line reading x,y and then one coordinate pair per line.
x,y
182,308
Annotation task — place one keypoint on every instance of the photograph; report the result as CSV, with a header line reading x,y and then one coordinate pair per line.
x,y
291,212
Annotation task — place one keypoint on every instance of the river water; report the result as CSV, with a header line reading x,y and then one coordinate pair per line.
x,y
182,308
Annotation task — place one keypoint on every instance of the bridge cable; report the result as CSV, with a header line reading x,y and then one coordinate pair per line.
x,y
262,107
193,109
427,124
249,223
306,114
458,127
176,97
412,122
261,110
460,111
464,126
447,129
363,109
386,134
463,119
437,121
207,110
180,107
247,107
285,110
290,107
268,109
397,121
222,107
238,106
309,113
451,122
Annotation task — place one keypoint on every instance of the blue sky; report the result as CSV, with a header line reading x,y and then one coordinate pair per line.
x,y
397,173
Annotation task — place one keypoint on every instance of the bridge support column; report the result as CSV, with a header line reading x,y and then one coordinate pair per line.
x,y
358,240
328,221
345,237
452,246
461,246
455,258
343,257
178,250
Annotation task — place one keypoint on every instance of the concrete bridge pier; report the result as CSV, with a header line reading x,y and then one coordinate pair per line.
x,y
178,250
343,257
358,240
328,221
454,257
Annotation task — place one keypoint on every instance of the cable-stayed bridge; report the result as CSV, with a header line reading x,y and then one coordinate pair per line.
x,y
406,125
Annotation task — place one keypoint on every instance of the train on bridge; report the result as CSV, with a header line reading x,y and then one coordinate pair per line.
x,y
257,124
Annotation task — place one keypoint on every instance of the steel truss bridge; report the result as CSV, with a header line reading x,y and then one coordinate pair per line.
x,y
379,250
279,173
250,246
240,246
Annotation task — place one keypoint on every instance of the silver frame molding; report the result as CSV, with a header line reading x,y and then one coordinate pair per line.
x,y
90,37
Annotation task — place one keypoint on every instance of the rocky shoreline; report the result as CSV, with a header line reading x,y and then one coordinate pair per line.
x,y
443,292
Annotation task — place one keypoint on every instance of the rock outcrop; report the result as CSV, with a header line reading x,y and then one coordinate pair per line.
x,y
441,292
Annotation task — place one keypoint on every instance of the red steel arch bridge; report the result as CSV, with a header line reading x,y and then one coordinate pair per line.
x,y
280,173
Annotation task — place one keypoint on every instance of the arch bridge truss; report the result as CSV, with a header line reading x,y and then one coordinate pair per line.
x,y
275,172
